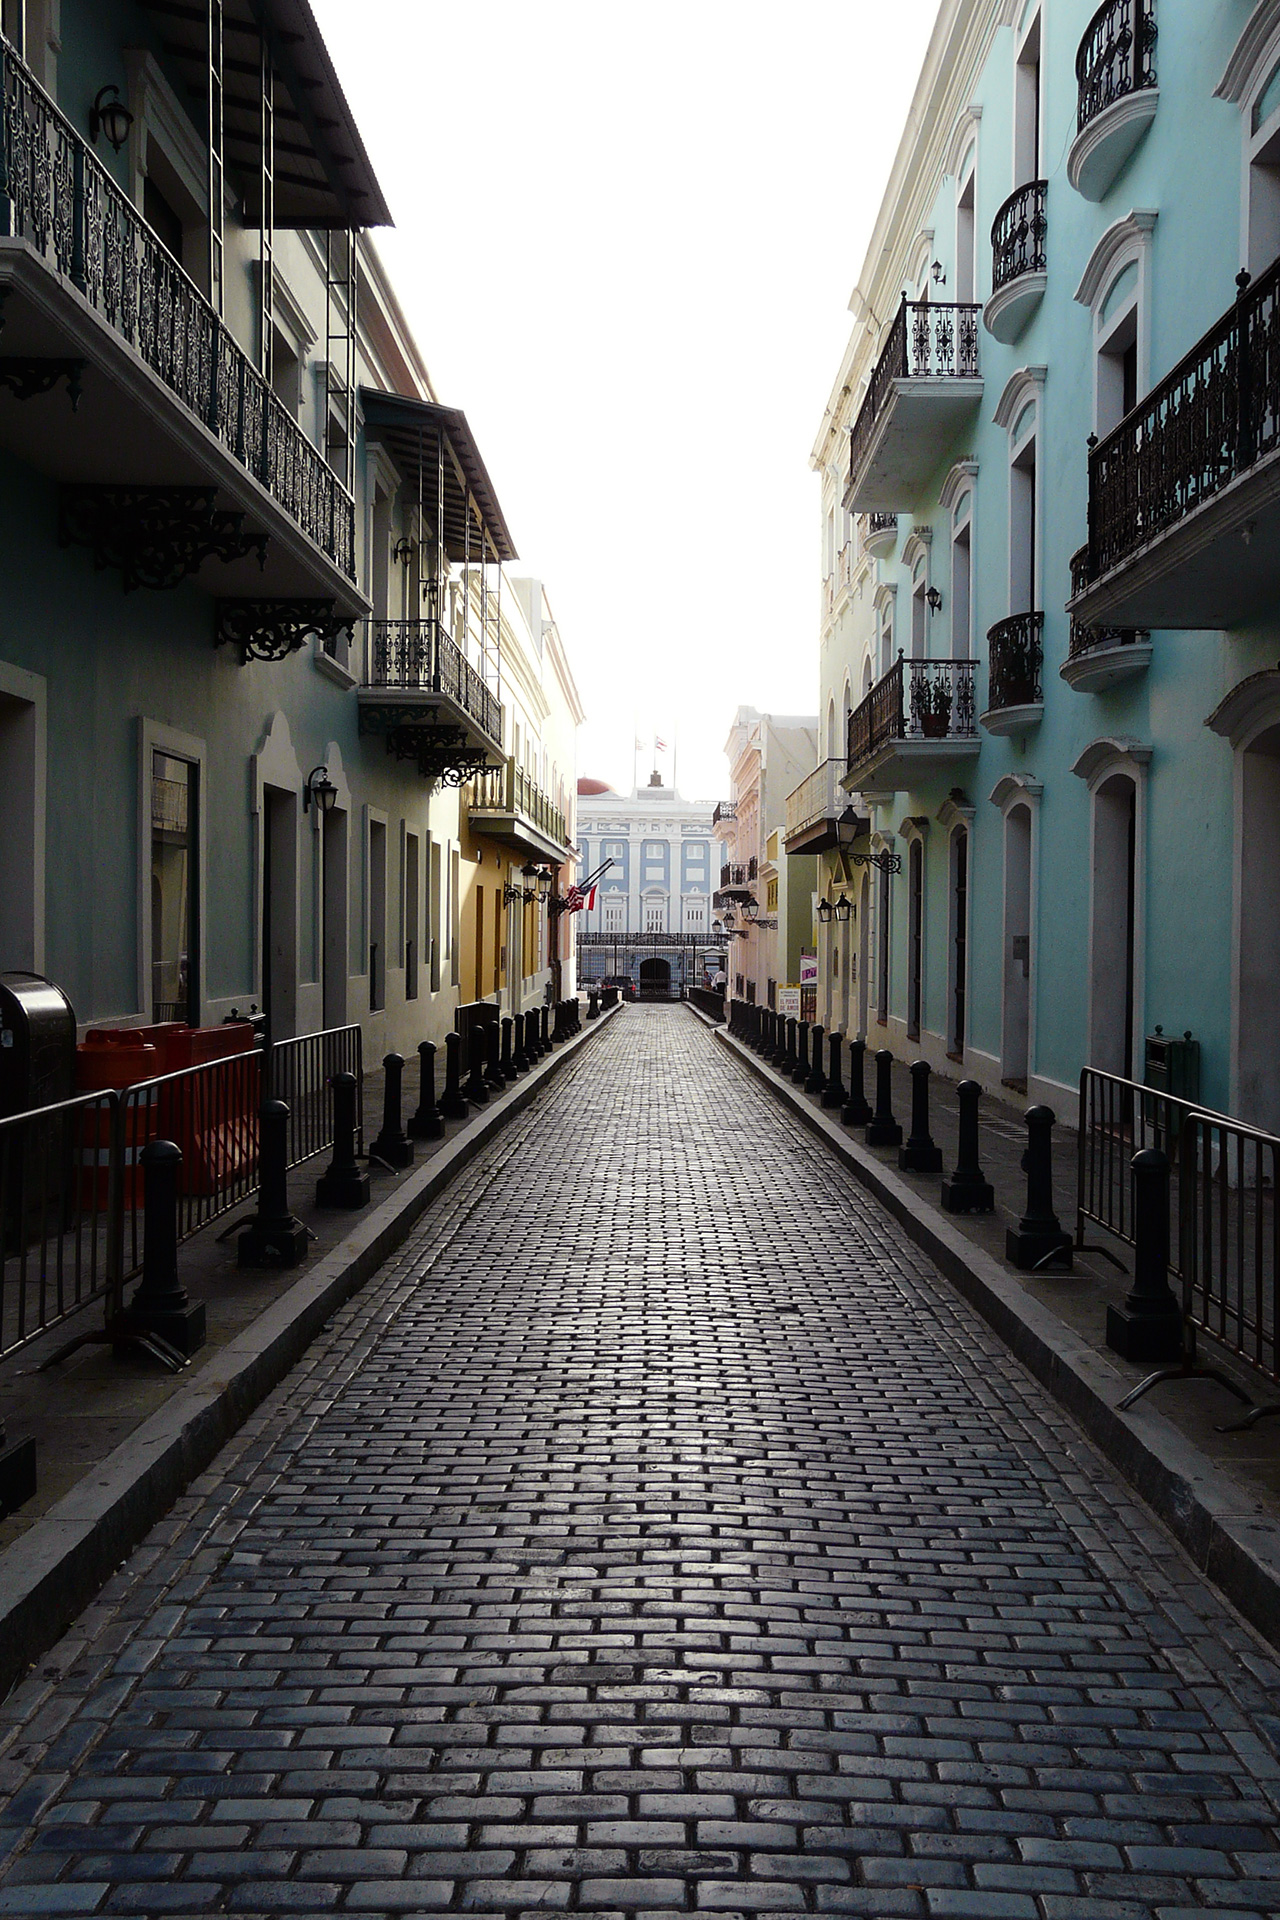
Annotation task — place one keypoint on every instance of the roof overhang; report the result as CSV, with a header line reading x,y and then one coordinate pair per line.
x,y
417,433
323,176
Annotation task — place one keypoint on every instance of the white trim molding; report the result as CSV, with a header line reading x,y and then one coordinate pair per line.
x,y
1250,707
1026,384
957,810
961,479
963,135
1111,753
1101,149
1125,240
1251,50
1011,787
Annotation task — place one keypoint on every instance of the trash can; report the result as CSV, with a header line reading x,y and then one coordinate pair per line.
x,y
37,1043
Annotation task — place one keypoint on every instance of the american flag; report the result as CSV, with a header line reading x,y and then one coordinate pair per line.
x,y
580,899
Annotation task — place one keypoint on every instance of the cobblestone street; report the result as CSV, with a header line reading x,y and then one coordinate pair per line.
x,y
657,1532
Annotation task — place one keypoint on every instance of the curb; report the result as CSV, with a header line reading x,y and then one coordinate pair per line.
x,y
57,1566
1232,1541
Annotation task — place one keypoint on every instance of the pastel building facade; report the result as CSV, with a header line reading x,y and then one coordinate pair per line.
x,y
278,718
1048,648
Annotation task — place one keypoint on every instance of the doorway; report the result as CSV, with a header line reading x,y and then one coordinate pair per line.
x,y
915,938
1257,994
21,783
959,942
333,917
280,912
1111,944
655,980
1016,1024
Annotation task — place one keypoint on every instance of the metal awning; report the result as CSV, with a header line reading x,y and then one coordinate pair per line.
x,y
323,177
412,431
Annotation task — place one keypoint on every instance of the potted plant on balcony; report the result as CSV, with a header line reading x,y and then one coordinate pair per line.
x,y
931,700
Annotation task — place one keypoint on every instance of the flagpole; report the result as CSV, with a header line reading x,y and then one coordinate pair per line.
x,y
675,758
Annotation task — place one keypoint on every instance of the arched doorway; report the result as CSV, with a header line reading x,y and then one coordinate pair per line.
x,y
1257,1067
655,979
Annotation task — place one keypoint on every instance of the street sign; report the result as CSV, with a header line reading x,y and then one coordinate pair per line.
x,y
788,999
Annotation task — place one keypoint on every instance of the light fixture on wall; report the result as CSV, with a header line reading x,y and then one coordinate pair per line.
x,y
826,911
750,908
403,550
934,599
109,115
939,273
546,881
844,909
319,791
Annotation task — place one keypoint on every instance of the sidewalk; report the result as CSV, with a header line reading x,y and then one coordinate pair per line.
x,y
117,1439
1219,1493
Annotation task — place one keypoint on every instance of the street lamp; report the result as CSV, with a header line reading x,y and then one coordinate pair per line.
x,y
545,878
750,908
825,911
730,919
844,908
320,790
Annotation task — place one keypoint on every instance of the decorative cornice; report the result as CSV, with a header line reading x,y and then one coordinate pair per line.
x,y
1104,754
1254,699
961,476
956,810
1121,242
964,131
1249,51
1015,786
1026,384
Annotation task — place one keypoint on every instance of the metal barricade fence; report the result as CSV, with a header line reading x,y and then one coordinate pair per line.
x,y
1229,1237
210,1112
301,1075
1118,1118
62,1170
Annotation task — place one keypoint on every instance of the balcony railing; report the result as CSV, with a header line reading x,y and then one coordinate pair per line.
x,y
1018,235
929,340
916,700
818,797
416,656
508,789
1015,659
878,523
1082,639
56,194
1116,56
725,810
1208,421
737,874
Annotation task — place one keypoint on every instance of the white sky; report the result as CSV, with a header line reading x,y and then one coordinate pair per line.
x,y
625,240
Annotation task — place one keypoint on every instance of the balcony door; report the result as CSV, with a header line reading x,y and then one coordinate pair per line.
x,y
915,938
335,961
959,982
1112,945
280,911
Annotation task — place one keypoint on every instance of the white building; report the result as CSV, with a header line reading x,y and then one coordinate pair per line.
x,y
666,859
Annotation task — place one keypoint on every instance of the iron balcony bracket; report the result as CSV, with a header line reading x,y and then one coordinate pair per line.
x,y
273,629
156,536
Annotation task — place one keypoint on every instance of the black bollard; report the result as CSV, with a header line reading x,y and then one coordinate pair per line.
x,y
1149,1324
800,1065
494,1076
545,1034
882,1129
508,1064
273,1238
833,1093
817,1080
160,1314
787,1063
453,1102
477,1085
425,1123
1038,1238
520,1054
777,1039
920,1155
344,1183
967,1191
593,1005
393,1147
856,1111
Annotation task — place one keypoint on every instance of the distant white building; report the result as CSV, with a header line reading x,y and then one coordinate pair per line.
x,y
666,857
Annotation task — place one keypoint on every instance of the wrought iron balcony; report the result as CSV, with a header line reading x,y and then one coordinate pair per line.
x,y
736,877
880,534
915,723
726,810
926,383
1015,660
1019,261
505,804
814,809
167,392
1101,657
1116,77
425,696
1184,495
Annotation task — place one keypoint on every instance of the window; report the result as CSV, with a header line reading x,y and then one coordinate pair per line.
x,y
412,915
655,916
1116,345
613,916
919,614
962,579
966,230
1264,174
174,800
377,915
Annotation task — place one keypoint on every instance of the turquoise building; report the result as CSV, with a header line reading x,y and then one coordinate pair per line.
x,y
1049,645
